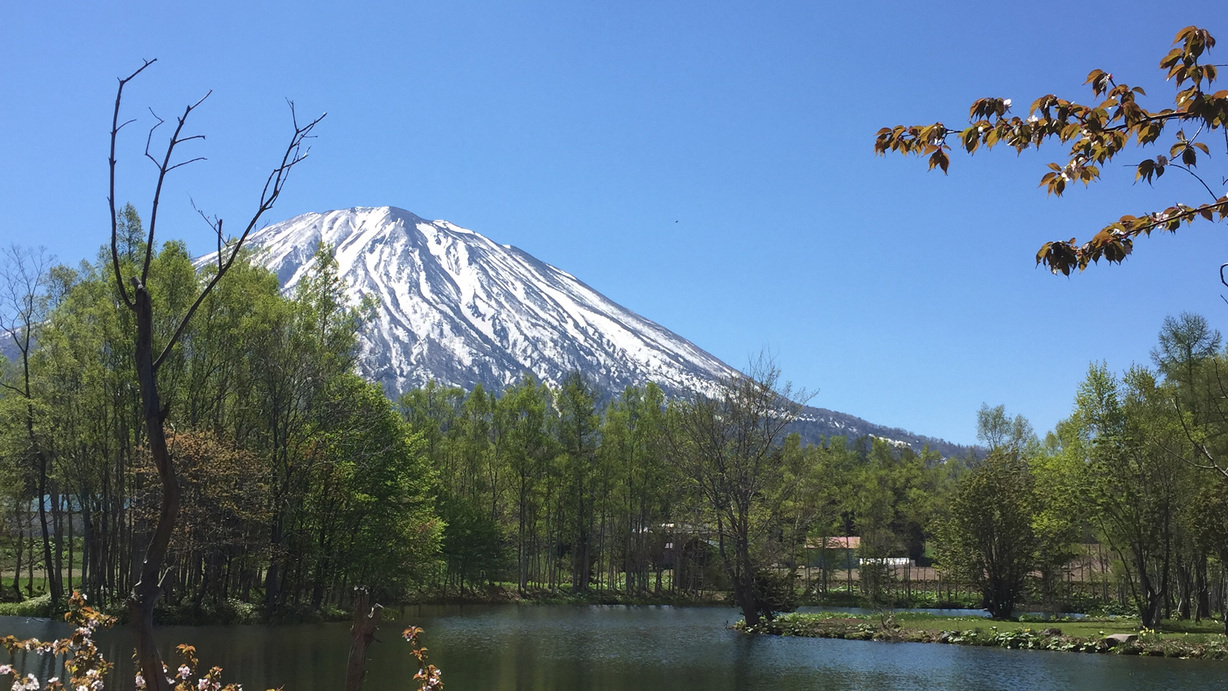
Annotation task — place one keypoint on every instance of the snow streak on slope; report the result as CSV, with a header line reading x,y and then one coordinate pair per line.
x,y
461,309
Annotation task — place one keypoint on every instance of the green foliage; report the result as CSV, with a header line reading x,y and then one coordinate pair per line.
x,y
34,607
1133,478
989,539
1072,636
472,543
729,450
299,479
1060,517
1002,433
288,462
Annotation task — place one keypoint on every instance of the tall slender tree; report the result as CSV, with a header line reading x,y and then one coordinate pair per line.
x,y
24,305
135,295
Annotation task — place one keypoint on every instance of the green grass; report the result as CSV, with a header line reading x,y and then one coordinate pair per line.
x,y
1183,639
36,607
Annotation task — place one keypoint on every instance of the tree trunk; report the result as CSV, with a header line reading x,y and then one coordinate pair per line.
x,y
1203,603
149,584
366,620
54,587
272,576
21,543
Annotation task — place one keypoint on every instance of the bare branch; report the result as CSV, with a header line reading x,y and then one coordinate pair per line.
x,y
184,163
149,136
163,169
1205,186
294,154
1212,463
215,224
115,128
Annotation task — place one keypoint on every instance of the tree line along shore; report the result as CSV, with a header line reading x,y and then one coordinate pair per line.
x,y
301,481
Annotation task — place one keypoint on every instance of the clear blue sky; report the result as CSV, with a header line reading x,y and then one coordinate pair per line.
x,y
707,164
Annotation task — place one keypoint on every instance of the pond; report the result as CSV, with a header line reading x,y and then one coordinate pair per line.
x,y
621,648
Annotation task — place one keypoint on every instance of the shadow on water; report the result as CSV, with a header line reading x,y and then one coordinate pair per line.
x,y
620,648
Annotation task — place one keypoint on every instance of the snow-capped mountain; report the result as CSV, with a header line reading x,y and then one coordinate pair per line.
x,y
461,309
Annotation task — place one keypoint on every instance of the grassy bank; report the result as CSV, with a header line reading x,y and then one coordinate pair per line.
x,y
1180,639
240,612
502,594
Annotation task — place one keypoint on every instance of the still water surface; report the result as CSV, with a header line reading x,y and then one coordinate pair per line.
x,y
618,648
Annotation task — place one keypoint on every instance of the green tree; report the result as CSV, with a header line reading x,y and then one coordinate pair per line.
x,y
523,416
368,500
825,488
1186,357
728,447
1134,478
989,539
1097,133
1210,531
578,440
25,302
633,447
1061,511
1000,432
295,351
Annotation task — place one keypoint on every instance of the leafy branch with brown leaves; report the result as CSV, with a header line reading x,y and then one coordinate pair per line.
x,y
428,677
1096,135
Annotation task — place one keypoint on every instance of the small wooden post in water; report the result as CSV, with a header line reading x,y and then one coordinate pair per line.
x,y
366,620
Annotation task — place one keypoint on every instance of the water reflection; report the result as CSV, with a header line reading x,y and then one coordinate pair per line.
x,y
631,649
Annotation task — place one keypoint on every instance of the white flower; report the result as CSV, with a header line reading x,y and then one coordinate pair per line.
x,y
139,682
1007,103
6,669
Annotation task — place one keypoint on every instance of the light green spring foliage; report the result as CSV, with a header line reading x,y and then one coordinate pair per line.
x,y
989,539
338,468
561,488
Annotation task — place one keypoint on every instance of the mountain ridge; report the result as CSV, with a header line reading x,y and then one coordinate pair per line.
x,y
462,309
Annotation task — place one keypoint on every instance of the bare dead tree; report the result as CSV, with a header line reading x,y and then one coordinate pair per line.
x,y
135,295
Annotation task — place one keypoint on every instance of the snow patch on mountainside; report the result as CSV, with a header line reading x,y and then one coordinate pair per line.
x,y
458,308
463,310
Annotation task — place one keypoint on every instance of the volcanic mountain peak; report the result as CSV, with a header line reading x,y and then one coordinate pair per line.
x,y
463,310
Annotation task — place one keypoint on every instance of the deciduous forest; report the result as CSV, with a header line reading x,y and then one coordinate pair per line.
x,y
300,481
